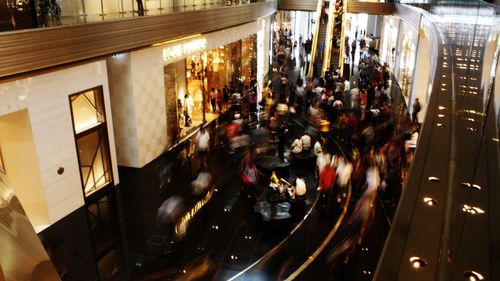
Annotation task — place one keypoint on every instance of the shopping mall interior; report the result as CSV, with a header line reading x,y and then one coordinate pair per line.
x,y
249,140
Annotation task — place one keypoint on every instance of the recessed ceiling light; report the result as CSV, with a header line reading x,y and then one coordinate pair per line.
x,y
441,115
417,262
440,125
441,107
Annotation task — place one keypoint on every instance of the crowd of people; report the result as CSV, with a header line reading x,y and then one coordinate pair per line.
x,y
352,134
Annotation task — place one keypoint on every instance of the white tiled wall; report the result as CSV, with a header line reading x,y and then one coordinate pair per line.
x,y
124,120
46,98
149,94
137,91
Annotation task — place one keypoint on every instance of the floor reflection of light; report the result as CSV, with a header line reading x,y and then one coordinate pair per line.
x,y
472,210
417,262
473,275
434,179
429,201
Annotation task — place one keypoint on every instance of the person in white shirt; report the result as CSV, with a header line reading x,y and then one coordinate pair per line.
x,y
188,105
298,190
202,182
306,141
203,143
354,93
344,171
296,146
323,159
318,147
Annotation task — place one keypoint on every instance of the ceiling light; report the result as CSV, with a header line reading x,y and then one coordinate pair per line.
x,y
441,107
441,115
440,125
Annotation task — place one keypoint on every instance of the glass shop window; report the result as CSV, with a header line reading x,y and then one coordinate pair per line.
x,y
91,138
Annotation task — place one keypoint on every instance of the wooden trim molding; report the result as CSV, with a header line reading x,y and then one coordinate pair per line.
x,y
372,8
298,5
36,49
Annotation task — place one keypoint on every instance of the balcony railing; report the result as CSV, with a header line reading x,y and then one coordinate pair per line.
x,y
48,13
40,48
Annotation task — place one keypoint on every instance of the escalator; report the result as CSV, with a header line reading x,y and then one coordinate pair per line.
x,y
319,41
327,46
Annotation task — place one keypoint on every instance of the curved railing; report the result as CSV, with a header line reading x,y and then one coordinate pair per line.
x,y
444,226
50,13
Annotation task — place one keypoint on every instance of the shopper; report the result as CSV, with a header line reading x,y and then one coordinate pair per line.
x,y
225,96
213,97
188,106
140,8
219,98
416,109
202,140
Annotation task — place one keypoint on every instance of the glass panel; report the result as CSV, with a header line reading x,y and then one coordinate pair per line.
x,y
94,162
87,110
87,147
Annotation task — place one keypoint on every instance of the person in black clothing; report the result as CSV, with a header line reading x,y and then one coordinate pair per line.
x,y
140,8
416,110
225,95
281,131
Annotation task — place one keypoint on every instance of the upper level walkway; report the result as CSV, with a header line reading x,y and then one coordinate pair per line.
x,y
40,48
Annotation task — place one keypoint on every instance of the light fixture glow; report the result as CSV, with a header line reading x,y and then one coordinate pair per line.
x,y
417,262
429,201
434,179
473,275
472,210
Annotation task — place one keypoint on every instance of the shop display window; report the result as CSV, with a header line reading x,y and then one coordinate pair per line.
x,y
249,60
94,161
87,111
204,72
91,137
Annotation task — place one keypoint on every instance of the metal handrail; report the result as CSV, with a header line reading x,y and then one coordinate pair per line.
x,y
310,71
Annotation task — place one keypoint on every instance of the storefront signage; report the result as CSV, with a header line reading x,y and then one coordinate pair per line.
x,y
181,226
184,49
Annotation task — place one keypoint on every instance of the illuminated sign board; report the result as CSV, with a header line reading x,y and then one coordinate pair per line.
x,y
184,49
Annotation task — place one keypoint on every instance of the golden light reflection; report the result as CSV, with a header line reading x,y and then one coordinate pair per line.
x,y
472,210
181,226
